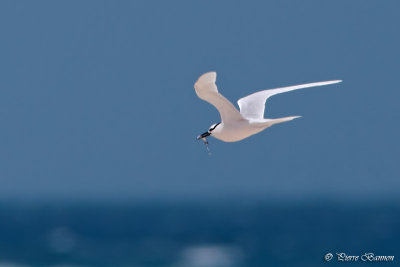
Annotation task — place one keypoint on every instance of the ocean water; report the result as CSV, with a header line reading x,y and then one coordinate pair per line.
x,y
197,235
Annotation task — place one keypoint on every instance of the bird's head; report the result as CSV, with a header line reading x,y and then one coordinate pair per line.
x,y
209,132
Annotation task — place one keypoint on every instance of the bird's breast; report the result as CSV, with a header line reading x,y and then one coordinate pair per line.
x,y
236,131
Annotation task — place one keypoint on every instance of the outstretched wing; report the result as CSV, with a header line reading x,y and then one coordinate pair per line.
x,y
207,90
253,106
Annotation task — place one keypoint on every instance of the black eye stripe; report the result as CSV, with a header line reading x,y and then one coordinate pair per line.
x,y
211,129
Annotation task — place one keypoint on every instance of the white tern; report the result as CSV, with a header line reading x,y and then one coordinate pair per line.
x,y
237,125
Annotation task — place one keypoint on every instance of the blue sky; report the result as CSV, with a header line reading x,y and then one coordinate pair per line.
x,y
97,99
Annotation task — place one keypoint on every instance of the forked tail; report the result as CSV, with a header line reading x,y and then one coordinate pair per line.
x,y
270,122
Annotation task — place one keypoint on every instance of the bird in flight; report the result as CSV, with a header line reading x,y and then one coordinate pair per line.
x,y
237,125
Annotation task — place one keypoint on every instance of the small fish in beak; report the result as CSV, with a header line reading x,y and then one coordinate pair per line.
x,y
203,135
204,138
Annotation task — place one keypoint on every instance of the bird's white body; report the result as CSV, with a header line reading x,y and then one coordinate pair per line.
x,y
236,125
235,131
238,130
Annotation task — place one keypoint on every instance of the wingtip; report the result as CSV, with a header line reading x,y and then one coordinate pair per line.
x,y
210,76
330,82
336,81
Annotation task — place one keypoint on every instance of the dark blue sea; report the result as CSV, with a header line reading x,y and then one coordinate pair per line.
x,y
197,235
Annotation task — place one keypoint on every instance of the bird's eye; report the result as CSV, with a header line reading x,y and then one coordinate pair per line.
x,y
213,127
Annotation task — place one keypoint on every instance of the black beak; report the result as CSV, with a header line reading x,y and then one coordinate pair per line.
x,y
203,135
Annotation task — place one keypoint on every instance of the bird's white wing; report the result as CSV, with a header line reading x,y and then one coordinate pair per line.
x,y
207,90
253,106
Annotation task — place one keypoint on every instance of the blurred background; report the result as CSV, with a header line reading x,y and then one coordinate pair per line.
x,y
99,161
